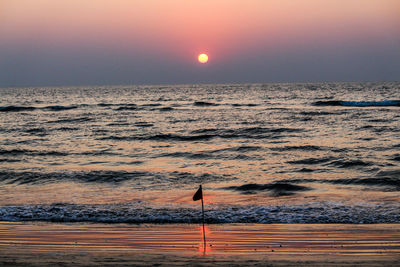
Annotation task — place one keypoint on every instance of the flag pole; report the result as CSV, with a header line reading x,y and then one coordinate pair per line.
x,y
199,196
204,232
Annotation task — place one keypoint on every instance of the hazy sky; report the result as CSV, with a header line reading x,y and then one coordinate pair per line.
x,y
84,42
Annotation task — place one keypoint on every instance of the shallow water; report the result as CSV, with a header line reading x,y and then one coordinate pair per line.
x,y
265,153
82,244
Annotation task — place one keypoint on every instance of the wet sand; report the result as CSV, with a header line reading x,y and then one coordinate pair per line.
x,y
50,244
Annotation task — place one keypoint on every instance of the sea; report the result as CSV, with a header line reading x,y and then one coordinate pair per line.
x,y
263,153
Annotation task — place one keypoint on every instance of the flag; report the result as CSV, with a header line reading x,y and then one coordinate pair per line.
x,y
198,195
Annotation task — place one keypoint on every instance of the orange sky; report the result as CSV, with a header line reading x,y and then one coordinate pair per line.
x,y
180,29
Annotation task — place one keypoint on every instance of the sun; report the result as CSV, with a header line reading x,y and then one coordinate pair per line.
x,y
203,58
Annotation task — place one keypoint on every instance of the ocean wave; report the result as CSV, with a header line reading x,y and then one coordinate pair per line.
x,y
160,137
383,180
277,189
305,170
319,113
13,152
244,105
128,106
118,123
390,174
133,107
207,134
242,148
72,120
314,212
9,160
395,157
59,108
176,137
311,161
29,108
379,129
88,177
250,133
151,105
343,163
116,104
204,104
66,129
333,161
143,124
166,109
18,152
233,153
138,179
189,155
15,108
305,148
208,155
386,103
39,131
390,183
100,152
105,105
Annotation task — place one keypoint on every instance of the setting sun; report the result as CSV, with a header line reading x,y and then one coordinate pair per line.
x,y
203,58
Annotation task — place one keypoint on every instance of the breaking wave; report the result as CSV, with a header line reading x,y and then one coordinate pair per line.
x,y
328,212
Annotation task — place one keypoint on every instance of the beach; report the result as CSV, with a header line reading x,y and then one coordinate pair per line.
x,y
199,133
49,244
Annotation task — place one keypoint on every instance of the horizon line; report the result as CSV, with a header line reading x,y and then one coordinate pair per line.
x,y
194,83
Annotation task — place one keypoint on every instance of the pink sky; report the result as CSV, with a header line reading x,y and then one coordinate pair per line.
x,y
176,31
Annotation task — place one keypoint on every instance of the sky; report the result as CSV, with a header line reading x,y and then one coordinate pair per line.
x,y
94,42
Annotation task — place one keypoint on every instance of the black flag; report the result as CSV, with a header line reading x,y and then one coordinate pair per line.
x,y
198,195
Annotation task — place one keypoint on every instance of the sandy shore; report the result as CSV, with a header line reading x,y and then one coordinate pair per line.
x,y
49,244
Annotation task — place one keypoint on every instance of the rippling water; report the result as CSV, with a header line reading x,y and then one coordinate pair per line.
x,y
302,153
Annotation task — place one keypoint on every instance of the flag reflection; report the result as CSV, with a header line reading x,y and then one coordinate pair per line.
x,y
204,247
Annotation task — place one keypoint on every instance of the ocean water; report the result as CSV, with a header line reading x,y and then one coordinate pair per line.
x,y
264,153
